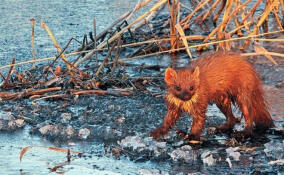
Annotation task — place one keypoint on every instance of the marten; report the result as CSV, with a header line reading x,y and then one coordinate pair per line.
x,y
223,78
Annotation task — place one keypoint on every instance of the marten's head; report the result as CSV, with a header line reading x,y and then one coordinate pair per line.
x,y
182,83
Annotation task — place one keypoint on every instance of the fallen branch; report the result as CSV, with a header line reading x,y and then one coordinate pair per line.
x,y
27,93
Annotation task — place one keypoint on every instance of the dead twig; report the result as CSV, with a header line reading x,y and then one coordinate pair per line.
x,y
6,81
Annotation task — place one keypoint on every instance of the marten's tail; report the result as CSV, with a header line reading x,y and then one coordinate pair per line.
x,y
259,111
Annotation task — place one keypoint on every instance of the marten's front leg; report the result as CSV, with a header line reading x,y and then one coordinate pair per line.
x,y
197,126
171,117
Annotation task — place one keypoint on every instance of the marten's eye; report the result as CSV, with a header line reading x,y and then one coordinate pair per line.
x,y
177,88
191,88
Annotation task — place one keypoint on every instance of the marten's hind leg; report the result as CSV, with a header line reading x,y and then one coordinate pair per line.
x,y
248,131
225,108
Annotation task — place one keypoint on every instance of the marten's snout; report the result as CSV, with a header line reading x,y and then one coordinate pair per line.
x,y
185,96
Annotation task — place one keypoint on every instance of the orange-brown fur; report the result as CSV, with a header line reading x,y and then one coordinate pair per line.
x,y
220,78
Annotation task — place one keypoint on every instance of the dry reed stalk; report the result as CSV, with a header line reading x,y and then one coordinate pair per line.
x,y
182,35
260,49
245,22
102,34
116,55
220,10
251,12
173,9
210,10
187,19
276,16
282,6
263,53
158,40
226,20
270,40
205,44
105,59
24,150
56,96
264,16
33,41
157,5
225,46
56,45
26,93
145,21
137,7
115,92
95,35
228,7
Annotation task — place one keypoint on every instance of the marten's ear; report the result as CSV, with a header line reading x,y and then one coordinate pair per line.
x,y
196,73
170,75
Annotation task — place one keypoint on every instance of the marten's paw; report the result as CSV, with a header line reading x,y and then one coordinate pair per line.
x,y
244,135
158,133
188,137
225,128
228,126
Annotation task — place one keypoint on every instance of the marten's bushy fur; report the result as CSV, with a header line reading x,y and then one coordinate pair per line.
x,y
220,78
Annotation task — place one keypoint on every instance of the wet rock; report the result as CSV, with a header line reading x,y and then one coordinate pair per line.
x,y
14,124
274,149
277,162
134,142
152,172
207,158
6,116
20,123
84,133
69,132
229,162
1,125
144,145
65,117
45,129
232,152
185,153
56,130
120,120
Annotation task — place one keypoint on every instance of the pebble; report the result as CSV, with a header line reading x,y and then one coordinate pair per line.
x,y
69,131
132,141
152,172
45,129
210,161
6,116
232,152
184,153
65,117
84,133
207,158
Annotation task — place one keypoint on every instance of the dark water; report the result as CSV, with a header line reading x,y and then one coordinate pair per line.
x,y
66,19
